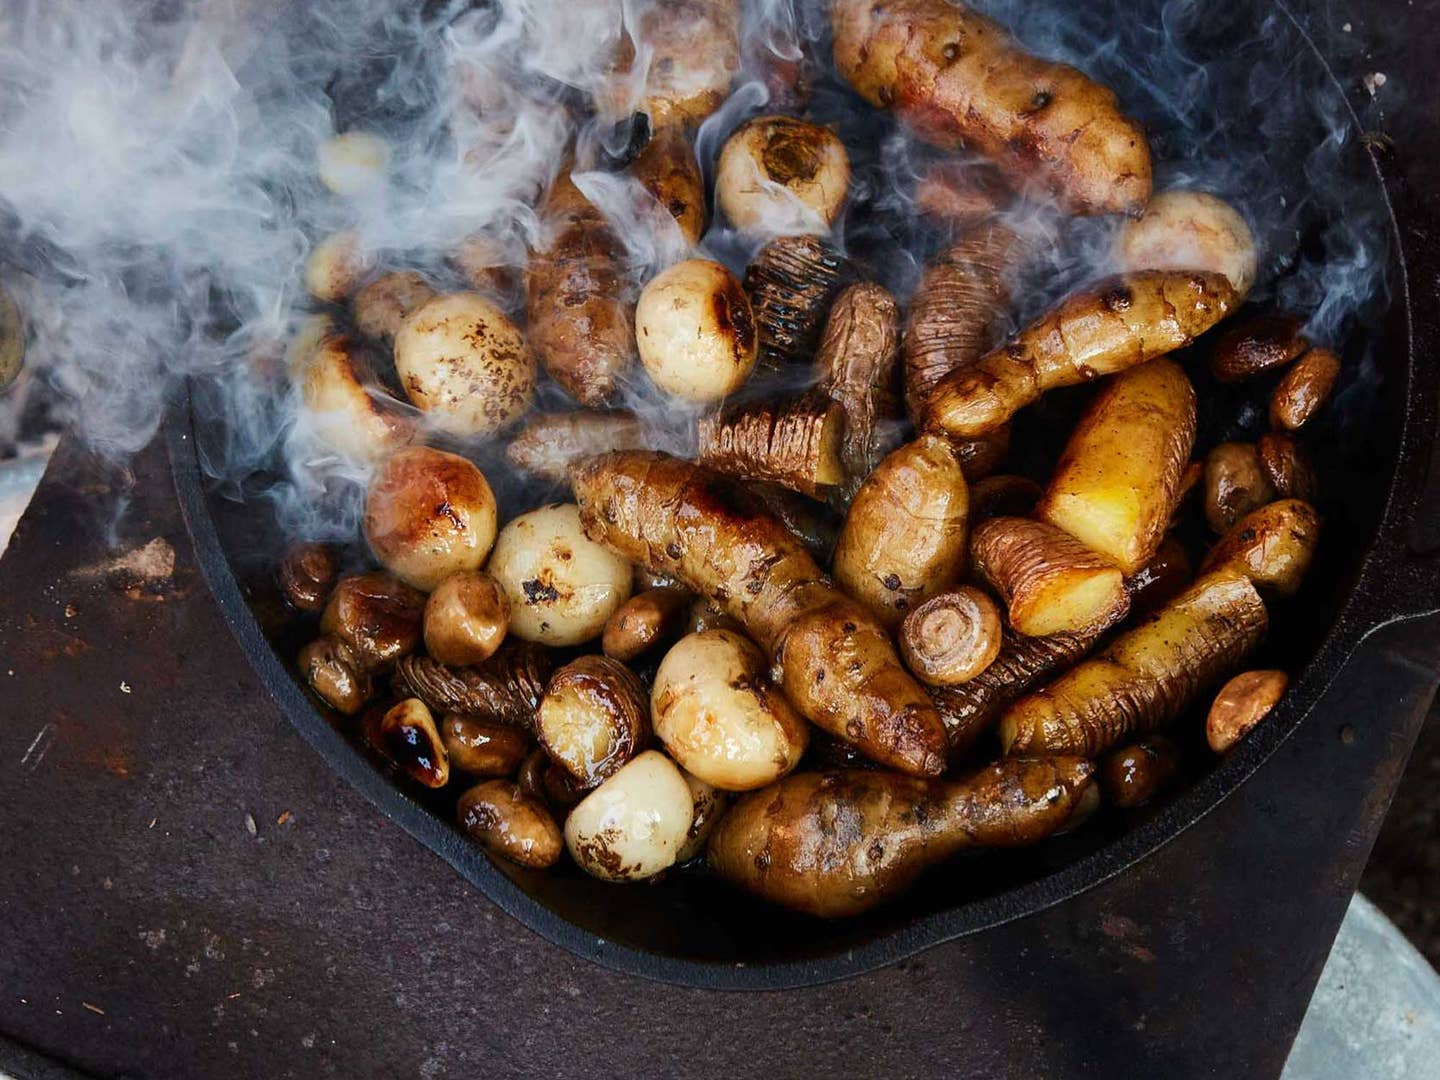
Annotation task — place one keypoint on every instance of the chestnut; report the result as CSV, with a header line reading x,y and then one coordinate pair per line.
x,y
466,618
332,672
307,573
481,748
410,739
429,514
376,616
507,822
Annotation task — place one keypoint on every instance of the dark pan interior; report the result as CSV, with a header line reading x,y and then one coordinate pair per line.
x,y
688,927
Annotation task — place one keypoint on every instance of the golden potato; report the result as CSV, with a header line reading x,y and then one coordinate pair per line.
x,y
695,331
1189,230
465,364
720,717
1050,582
904,536
428,515
777,174
1117,484
562,587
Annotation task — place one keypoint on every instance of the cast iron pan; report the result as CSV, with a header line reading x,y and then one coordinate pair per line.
x,y
688,929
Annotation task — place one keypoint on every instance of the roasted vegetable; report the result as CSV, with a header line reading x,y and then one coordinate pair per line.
x,y
958,309
332,671
429,514
336,267
411,740
466,618
838,843
904,537
667,169
1189,230
562,586
791,283
720,717
1272,546
1241,704
306,574
634,824
595,717
465,365
579,309
350,412
550,442
1117,484
777,174
691,52
792,442
377,616
506,688
353,163
958,79
855,365
837,664
710,803
1023,663
695,331
1134,774
1050,582
381,307
646,621
481,747
953,637
505,821
1303,389
1258,344
1146,677
813,523
1117,324
1286,466
1235,484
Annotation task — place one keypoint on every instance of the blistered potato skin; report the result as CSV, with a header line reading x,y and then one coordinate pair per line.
x,y
1117,484
959,80
904,537
579,309
1147,676
1118,323
838,843
839,666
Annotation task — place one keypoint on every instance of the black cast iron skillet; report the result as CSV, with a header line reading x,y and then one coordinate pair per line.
x,y
1373,456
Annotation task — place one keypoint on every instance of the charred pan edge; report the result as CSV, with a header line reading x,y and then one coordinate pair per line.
x,y
1391,585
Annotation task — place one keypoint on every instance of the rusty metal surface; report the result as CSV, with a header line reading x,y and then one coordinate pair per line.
x,y
162,920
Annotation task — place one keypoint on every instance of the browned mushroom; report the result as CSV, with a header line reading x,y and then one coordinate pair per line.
x,y
307,573
506,821
466,618
377,616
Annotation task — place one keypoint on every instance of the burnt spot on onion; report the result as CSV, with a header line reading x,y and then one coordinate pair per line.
x,y
539,592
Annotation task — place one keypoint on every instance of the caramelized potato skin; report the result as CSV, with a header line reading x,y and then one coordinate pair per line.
x,y
838,665
1050,582
958,79
904,537
1118,323
1147,675
839,843
1117,484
